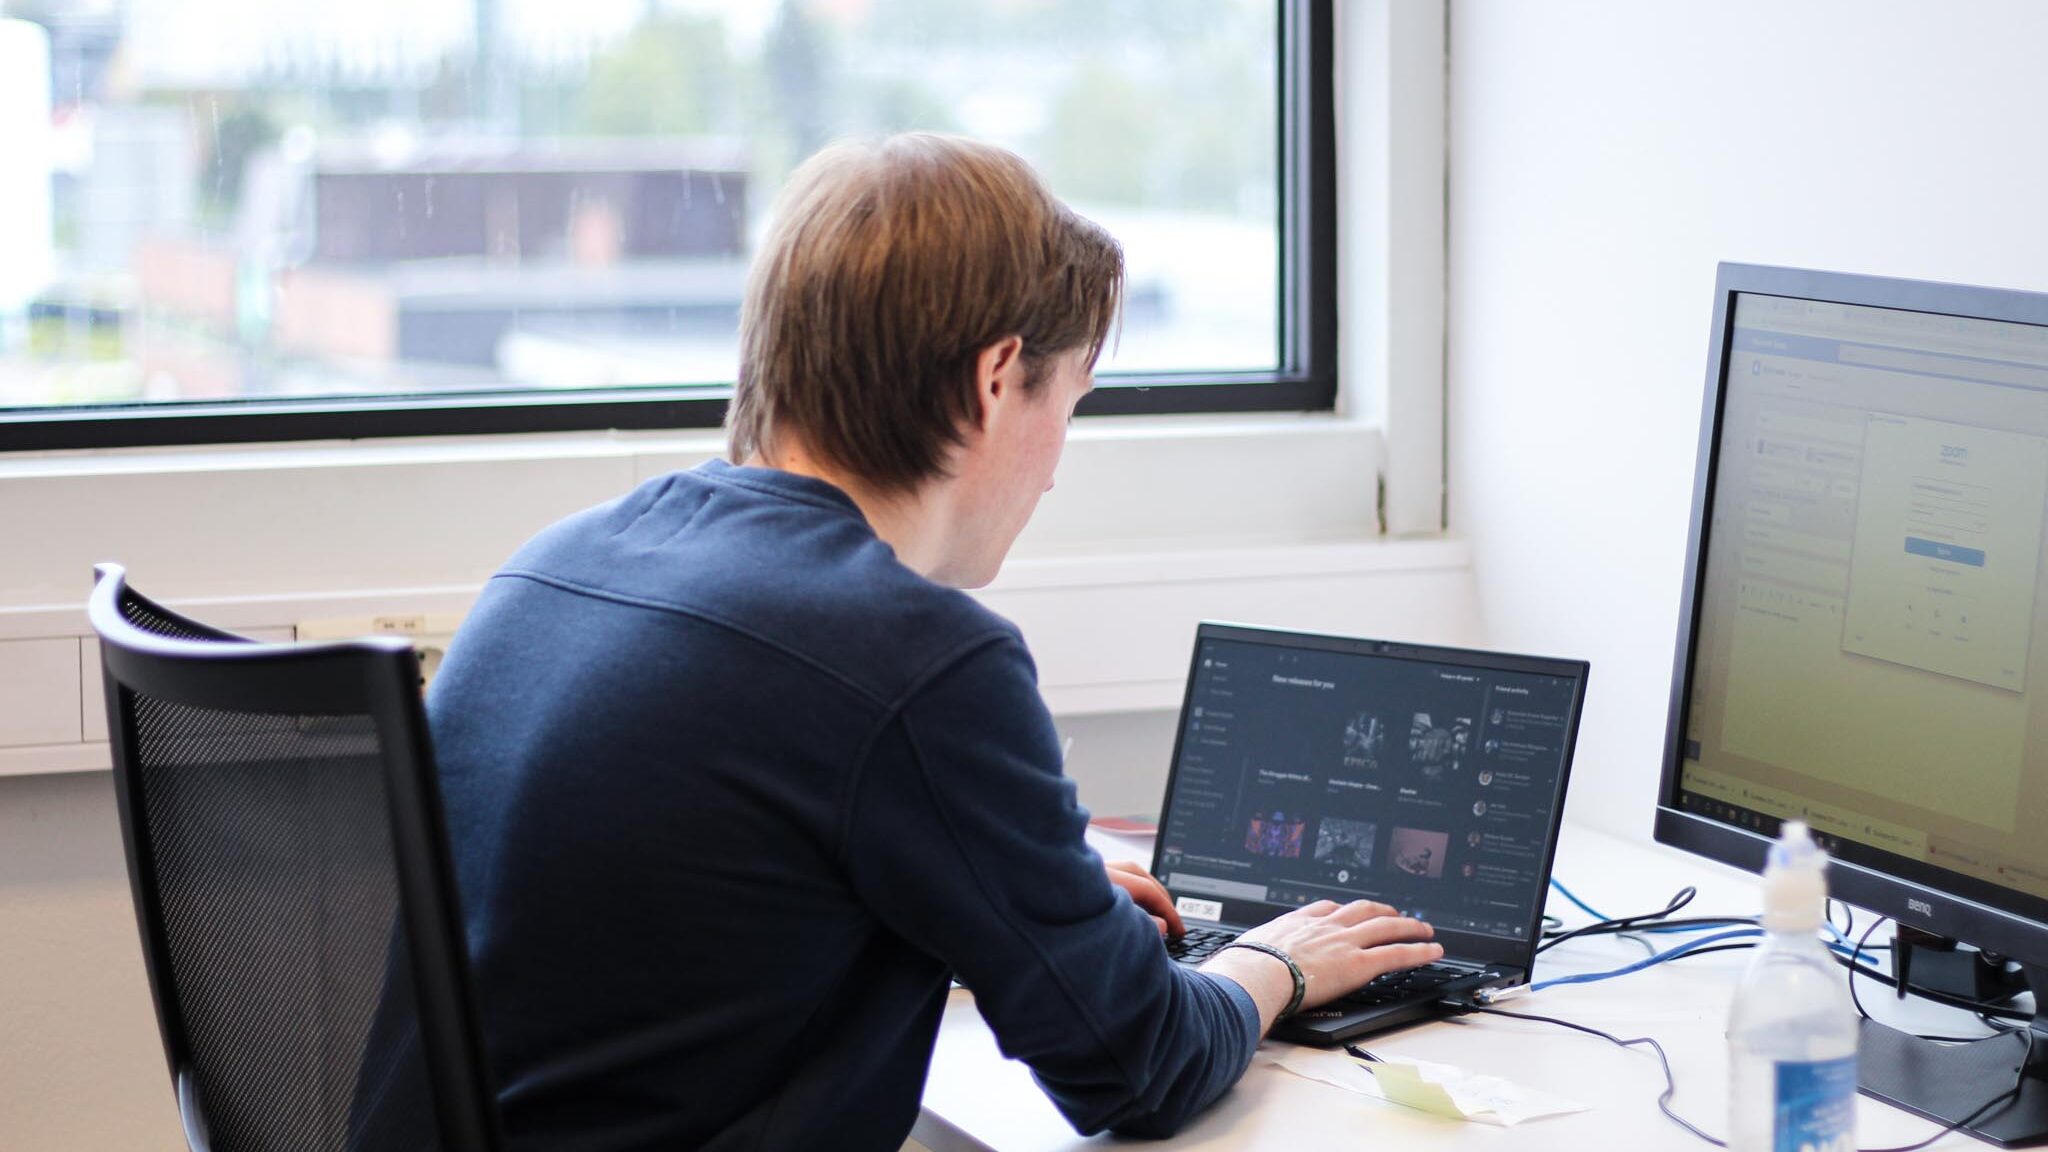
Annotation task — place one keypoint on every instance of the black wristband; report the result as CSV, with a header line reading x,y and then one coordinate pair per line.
x,y
1293,969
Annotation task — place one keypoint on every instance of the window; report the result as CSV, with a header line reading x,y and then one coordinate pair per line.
x,y
294,220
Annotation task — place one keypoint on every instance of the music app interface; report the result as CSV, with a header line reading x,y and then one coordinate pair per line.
x,y
1308,775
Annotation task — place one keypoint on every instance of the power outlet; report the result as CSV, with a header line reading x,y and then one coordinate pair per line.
x,y
429,632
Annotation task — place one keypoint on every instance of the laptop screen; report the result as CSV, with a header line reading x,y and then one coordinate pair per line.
x,y
1310,769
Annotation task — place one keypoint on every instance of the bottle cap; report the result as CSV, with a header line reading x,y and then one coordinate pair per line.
x,y
1795,882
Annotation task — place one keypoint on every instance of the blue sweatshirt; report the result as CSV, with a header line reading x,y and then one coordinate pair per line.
x,y
731,791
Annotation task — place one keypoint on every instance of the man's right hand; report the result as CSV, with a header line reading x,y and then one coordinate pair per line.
x,y
1338,947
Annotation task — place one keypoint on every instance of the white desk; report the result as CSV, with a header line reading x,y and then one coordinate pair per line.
x,y
976,1100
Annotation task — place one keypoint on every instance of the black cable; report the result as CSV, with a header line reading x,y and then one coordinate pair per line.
x,y
1619,928
1624,923
1704,951
1979,1007
1856,965
1670,1084
1983,1011
1681,922
1946,1000
1692,952
1659,919
1856,969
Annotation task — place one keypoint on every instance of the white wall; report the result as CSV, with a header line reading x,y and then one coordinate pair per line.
x,y
1604,157
81,1063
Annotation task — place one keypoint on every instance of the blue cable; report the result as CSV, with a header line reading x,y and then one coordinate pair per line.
x,y
1657,958
1840,945
1582,905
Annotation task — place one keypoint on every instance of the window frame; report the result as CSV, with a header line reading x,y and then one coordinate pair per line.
x,y
1305,381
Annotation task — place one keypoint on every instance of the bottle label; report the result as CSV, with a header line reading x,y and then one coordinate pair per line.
x,y
1816,1106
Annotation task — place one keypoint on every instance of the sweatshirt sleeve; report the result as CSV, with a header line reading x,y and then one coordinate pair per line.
x,y
965,838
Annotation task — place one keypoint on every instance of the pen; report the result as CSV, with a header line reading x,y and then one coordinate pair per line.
x,y
1362,1054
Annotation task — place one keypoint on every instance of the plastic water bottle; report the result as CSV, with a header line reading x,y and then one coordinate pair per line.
x,y
1792,1032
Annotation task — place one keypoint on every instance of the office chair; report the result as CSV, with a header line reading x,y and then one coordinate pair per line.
x,y
292,884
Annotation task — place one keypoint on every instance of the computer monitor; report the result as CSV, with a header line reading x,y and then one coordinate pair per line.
x,y
1863,633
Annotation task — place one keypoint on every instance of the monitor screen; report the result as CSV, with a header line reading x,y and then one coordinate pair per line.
x,y
1309,774
1871,647
1863,641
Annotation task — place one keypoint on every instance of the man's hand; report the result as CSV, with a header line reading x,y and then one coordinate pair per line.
x,y
1338,947
1148,894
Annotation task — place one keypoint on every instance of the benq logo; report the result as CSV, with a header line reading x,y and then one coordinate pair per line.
x,y
1921,906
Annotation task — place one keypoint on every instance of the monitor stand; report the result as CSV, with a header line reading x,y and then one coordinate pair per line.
x,y
1949,1082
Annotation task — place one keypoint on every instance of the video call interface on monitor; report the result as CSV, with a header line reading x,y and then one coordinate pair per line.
x,y
1872,604
1310,775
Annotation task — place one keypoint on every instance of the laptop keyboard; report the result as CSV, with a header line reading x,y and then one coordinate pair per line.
x,y
1199,944
1407,984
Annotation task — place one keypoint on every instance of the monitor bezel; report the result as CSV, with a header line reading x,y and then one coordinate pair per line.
x,y
1477,946
1928,897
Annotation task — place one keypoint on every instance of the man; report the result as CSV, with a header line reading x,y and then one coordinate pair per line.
x,y
734,775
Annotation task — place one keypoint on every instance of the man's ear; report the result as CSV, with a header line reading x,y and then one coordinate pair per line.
x,y
998,373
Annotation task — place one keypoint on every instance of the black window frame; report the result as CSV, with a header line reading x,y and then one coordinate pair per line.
x,y
1305,381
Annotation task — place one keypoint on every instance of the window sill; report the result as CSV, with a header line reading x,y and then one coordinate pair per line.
x,y
606,445
298,518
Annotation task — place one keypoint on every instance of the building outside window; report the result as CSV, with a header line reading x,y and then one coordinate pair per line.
x,y
409,216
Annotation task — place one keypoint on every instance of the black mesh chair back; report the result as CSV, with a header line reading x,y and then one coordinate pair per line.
x,y
291,877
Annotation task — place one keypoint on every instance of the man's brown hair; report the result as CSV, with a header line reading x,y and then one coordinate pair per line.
x,y
890,266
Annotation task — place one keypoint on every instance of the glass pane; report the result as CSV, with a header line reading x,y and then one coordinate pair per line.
x,y
263,198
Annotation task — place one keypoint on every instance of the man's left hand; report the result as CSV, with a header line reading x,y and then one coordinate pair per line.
x,y
1148,894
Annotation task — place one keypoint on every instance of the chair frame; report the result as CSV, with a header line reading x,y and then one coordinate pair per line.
x,y
377,676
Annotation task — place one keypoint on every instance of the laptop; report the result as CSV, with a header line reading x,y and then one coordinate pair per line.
x,y
1324,768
